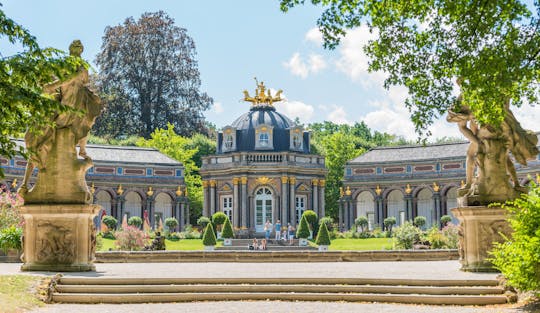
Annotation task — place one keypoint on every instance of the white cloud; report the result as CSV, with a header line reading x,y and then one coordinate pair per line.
x,y
217,108
314,36
299,67
338,115
528,116
294,109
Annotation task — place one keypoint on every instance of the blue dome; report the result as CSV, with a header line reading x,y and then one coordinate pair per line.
x,y
262,115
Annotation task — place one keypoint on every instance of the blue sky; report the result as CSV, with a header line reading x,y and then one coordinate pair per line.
x,y
238,40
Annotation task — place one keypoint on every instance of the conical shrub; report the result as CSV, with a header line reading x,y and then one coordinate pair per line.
x,y
323,237
227,229
209,237
303,229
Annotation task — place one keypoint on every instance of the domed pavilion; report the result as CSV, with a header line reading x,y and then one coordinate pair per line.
x,y
263,169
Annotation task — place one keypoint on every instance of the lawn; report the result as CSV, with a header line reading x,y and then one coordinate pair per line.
x,y
18,293
185,244
361,244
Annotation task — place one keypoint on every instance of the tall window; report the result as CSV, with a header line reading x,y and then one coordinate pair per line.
x,y
226,206
300,207
297,141
228,142
263,139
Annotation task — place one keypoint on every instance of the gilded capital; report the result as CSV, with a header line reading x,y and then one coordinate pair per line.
x,y
179,191
322,182
213,183
244,180
315,182
205,184
292,180
284,179
235,180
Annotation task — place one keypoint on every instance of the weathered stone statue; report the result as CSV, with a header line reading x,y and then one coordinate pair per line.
x,y
59,234
490,156
61,176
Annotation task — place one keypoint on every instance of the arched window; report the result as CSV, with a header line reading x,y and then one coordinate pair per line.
x,y
297,141
133,205
229,141
103,198
365,206
162,207
425,206
396,206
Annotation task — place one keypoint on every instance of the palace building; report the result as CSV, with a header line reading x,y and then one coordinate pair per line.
x,y
409,181
124,181
263,169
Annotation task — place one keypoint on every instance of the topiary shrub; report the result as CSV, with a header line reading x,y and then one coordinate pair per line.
x,y
227,230
131,239
10,238
303,228
323,237
419,221
135,221
219,218
518,258
203,221
110,222
361,222
389,222
311,218
328,221
406,235
209,237
445,219
171,223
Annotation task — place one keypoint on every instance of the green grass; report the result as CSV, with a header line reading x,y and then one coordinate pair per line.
x,y
18,293
361,244
184,244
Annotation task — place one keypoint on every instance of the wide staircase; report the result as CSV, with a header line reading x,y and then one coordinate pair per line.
x,y
271,245
146,290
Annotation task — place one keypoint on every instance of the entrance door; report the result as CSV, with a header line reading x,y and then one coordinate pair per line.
x,y
263,208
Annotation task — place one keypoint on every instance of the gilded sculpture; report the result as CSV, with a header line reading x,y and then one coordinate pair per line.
x,y
61,175
489,154
262,97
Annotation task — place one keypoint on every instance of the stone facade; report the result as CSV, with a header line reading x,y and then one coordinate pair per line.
x,y
409,181
125,180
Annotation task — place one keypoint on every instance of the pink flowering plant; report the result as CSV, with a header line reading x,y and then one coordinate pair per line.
x,y
10,203
131,239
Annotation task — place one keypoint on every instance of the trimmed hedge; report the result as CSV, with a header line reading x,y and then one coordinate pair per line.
x,y
209,237
171,223
110,222
227,232
323,237
303,229
219,218
135,221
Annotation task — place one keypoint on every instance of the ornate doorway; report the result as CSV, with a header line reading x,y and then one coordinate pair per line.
x,y
263,208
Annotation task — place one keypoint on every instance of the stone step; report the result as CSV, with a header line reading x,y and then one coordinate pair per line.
x,y
206,288
277,281
230,296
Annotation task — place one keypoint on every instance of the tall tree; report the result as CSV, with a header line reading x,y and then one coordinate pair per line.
x,y
23,106
148,72
492,46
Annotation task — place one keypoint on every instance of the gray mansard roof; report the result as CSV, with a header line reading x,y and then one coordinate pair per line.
x,y
413,153
125,154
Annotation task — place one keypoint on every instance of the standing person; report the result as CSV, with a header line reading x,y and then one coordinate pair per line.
x,y
290,229
278,229
267,229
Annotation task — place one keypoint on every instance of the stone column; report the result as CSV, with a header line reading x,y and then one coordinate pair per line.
x,y
437,208
236,221
408,207
315,197
322,210
292,208
213,184
378,211
340,214
244,181
206,198
120,200
178,213
185,209
150,207
347,214
284,200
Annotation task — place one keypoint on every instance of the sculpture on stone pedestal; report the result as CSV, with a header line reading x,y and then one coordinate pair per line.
x,y
490,179
59,234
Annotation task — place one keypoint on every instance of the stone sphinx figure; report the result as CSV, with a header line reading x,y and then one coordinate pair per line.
x,y
490,153
61,175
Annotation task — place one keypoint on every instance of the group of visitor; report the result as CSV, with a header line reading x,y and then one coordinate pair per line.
x,y
287,234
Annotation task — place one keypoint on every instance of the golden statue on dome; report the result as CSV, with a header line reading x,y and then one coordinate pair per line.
x,y
262,96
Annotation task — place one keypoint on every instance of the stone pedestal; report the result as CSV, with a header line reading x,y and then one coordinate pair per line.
x,y
59,237
480,227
